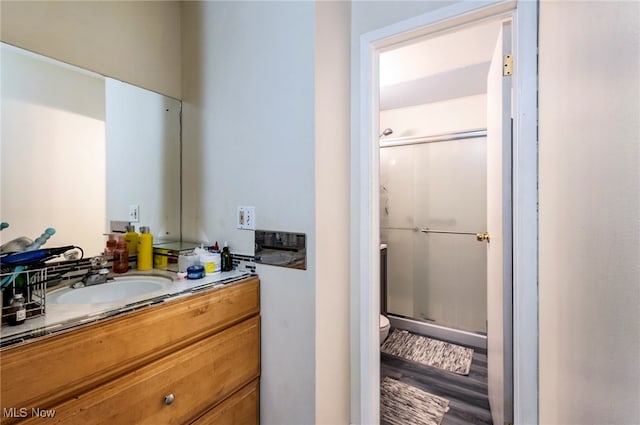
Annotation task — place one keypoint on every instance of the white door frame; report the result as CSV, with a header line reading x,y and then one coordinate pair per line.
x,y
365,302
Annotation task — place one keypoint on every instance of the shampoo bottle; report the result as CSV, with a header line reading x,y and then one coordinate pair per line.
x,y
132,239
145,249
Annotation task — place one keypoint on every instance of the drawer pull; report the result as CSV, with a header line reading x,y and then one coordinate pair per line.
x,y
168,399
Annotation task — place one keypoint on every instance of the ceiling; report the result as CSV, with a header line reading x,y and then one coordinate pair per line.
x,y
439,68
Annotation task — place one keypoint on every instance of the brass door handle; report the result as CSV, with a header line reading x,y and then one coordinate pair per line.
x,y
482,237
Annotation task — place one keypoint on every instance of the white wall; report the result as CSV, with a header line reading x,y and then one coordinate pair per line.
x,y
249,139
133,41
439,55
589,213
52,150
445,66
461,114
143,158
332,212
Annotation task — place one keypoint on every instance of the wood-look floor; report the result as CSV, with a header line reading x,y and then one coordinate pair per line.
x,y
469,403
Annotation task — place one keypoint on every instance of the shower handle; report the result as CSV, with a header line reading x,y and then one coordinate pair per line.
x,y
482,237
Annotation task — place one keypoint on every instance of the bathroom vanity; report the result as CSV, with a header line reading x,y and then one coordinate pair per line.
x,y
194,358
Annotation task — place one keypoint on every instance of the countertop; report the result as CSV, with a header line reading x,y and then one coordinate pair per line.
x,y
59,317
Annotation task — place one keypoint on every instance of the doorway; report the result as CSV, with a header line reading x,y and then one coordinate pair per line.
x,y
366,262
433,174
440,203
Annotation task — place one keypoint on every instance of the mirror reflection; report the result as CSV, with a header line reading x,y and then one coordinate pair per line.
x,y
79,150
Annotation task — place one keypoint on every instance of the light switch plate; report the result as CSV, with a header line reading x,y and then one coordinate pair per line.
x,y
246,218
134,213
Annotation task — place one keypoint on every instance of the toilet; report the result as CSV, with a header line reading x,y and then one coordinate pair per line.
x,y
384,328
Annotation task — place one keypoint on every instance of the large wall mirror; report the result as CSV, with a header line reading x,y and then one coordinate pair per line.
x,y
79,149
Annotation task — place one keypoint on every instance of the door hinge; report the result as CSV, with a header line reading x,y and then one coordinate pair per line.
x,y
507,65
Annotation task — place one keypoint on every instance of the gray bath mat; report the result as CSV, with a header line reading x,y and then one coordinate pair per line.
x,y
427,351
402,404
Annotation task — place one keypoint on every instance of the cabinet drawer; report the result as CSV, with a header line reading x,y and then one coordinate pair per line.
x,y
44,373
197,377
242,408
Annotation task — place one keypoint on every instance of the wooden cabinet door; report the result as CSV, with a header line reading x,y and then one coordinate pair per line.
x,y
196,377
242,408
44,373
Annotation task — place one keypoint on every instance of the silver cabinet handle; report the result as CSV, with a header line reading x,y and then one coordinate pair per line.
x,y
168,399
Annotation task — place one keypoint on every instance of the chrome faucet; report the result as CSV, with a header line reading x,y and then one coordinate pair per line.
x,y
97,274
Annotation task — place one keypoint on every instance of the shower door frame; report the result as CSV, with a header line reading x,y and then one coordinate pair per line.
x,y
433,329
365,272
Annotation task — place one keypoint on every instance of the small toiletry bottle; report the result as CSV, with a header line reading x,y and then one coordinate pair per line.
x,y
17,310
160,258
210,261
187,260
195,272
121,256
132,239
111,245
145,249
227,265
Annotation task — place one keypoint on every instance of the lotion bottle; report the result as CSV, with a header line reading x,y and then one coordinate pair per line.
x,y
145,249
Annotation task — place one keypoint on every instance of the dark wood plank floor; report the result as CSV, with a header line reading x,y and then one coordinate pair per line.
x,y
467,395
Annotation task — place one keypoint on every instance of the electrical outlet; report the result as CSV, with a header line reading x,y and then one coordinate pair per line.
x,y
134,213
246,218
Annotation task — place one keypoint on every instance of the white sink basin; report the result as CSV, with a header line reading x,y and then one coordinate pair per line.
x,y
119,289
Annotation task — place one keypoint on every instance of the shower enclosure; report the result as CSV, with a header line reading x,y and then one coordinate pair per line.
x,y
432,215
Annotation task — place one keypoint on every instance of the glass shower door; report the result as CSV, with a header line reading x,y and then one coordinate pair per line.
x,y
426,189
